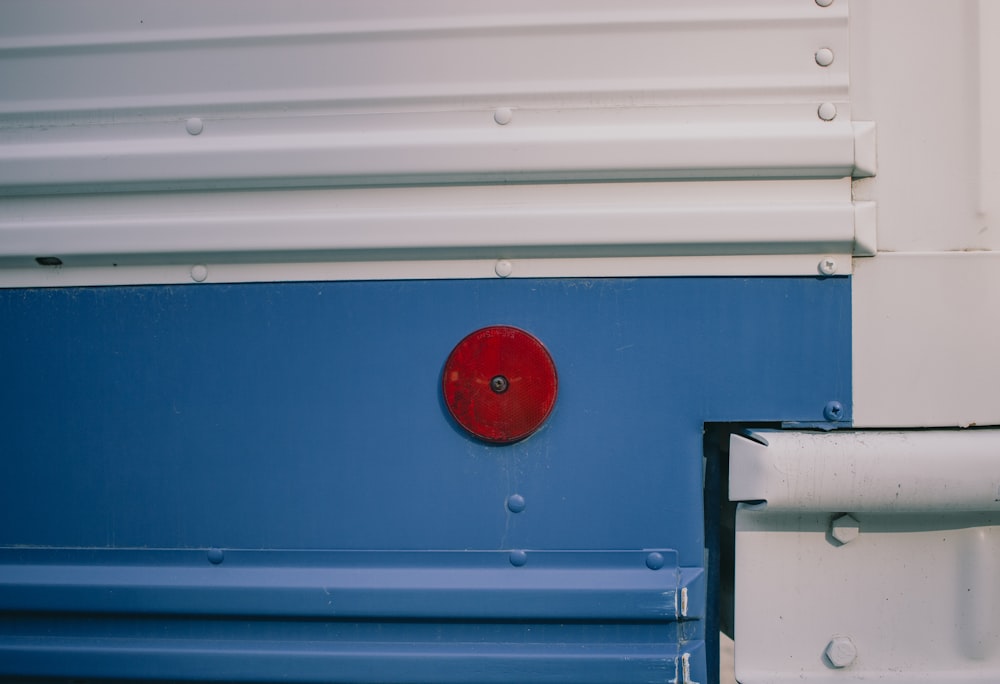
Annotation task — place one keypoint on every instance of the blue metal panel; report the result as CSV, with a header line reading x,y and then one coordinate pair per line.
x,y
307,417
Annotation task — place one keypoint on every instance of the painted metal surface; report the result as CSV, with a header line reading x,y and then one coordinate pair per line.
x,y
902,588
925,344
231,113
237,481
746,228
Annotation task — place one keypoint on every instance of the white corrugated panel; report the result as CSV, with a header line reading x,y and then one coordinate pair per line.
x,y
323,117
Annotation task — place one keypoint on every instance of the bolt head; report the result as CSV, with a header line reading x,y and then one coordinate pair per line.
x,y
845,529
841,651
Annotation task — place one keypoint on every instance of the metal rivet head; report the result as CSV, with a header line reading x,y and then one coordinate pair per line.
x,y
655,561
827,111
827,266
841,651
515,503
824,3
503,268
215,556
199,273
833,411
824,57
518,558
503,115
194,125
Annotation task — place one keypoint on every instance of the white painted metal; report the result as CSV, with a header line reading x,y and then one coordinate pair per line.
x,y
868,472
454,227
926,336
915,590
338,110
924,332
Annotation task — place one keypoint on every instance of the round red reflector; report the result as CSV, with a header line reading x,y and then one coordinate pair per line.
x,y
500,384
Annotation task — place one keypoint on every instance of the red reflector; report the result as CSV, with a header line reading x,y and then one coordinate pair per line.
x,y
500,384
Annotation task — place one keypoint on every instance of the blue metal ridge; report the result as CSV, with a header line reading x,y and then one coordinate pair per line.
x,y
550,585
514,652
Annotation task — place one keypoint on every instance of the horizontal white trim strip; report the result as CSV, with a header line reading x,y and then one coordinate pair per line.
x,y
430,232
431,155
178,274
883,472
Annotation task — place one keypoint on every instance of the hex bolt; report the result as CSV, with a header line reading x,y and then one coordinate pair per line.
x,y
841,651
844,528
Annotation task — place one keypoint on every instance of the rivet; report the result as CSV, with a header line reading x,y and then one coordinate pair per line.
x,y
655,560
518,558
824,57
827,266
503,115
824,3
215,556
194,125
504,268
841,651
199,273
833,411
827,111
515,503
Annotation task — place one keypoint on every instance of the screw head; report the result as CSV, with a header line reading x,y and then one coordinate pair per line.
x,y
827,266
503,268
499,384
845,529
824,57
199,273
833,411
841,651
194,126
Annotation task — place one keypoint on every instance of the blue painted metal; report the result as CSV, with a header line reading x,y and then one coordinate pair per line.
x,y
269,420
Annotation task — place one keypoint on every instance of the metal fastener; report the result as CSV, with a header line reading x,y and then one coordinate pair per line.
x,y
503,268
215,556
824,3
503,115
499,384
827,111
824,57
845,529
833,411
194,125
518,558
827,266
199,273
655,560
841,651
516,503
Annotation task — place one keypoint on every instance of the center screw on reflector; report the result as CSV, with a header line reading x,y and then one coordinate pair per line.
x,y
499,384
